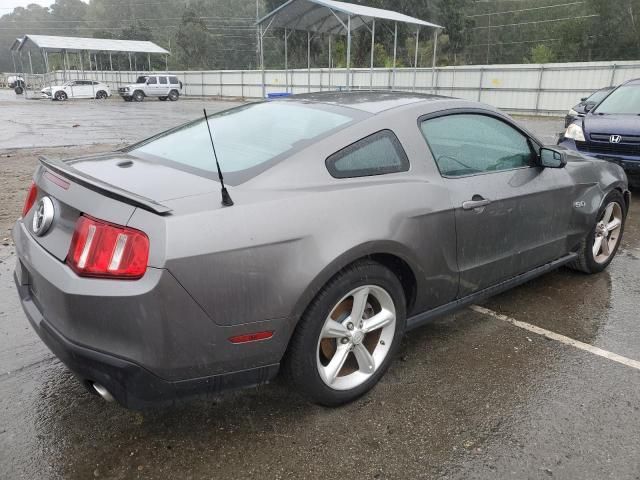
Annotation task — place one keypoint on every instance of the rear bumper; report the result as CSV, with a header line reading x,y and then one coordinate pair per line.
x,y
147,341
130,384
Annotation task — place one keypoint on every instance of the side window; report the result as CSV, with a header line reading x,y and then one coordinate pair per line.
x,y
468,144
378,154
152,81
163,80
173,80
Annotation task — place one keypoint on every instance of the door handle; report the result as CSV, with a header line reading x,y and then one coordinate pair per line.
x,y
473,204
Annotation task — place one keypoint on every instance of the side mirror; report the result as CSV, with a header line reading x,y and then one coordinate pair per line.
x,y
588,107
550,158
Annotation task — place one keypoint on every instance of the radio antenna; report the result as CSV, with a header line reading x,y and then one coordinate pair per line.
x,y
226,198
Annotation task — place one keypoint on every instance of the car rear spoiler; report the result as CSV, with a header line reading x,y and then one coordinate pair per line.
x,y
104,188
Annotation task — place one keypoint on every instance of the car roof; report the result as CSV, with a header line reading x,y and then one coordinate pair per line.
x,y
635,81
369,101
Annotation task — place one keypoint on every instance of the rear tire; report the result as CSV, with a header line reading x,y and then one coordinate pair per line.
x,y
60,96
174,95
348,336
19,90
600,246
101,95
138,96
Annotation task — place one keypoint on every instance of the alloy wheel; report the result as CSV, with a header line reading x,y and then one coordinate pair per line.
x,y
356,337
607,233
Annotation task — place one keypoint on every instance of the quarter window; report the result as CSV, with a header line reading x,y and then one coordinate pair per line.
x,y
173,80
378,154
469,144
163,80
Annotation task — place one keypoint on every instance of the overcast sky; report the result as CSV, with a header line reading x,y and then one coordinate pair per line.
x,y
7,6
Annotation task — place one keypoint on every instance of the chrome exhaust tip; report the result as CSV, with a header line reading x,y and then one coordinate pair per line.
x,y
103,392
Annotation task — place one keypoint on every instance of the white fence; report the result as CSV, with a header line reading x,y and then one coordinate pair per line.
x,y
535,89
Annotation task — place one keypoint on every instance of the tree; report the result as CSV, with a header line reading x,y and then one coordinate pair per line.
x,y
541,54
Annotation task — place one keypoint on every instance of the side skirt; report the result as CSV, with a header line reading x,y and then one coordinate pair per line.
x,y
425,317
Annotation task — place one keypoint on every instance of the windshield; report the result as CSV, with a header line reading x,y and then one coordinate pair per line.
x,y
598,96
142,80
624,100
248,139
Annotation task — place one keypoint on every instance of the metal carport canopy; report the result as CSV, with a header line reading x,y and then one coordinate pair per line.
x,y
336,18
309,15
77,44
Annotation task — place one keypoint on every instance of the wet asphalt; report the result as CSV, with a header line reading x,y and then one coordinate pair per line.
x,y
469,396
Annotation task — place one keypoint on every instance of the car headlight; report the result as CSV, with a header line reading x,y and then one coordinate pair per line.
x,y
126,89
573,113
575,132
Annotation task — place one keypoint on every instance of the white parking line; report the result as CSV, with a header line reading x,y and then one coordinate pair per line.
x,y
560,338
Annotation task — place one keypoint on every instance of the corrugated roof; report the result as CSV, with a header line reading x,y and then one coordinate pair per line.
x,y
321,16
76,44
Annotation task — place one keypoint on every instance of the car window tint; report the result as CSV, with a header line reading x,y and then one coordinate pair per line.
x,y
163,80
378,154
173,79
152,81
468,144
246,137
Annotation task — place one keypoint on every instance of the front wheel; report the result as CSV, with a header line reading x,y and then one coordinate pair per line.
x,y
101,95
599,248
348,336
138,96
60,96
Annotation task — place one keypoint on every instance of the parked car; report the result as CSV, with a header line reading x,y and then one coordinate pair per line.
x,y
14,80
586,104
77,89
611,130
162,87
345,220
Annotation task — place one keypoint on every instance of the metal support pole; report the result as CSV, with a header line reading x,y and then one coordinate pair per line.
x,y
89,56
309,62
539,91
330,61
415,62
434,87
286,60
480,86
149,61
166,62
130,66
395,55
110,62
264,80
613,75
373,50
349,53
30,62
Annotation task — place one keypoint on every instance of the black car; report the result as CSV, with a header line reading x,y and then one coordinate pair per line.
x,y
586,104
611,130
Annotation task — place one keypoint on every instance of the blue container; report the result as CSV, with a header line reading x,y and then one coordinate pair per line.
x,y
278,95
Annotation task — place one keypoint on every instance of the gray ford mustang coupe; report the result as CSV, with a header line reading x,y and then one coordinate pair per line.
x,y
344,220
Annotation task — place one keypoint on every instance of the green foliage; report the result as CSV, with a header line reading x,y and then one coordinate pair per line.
x,y
220,34
541,54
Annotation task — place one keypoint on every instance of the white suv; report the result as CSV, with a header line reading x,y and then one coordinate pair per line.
x,y
160,86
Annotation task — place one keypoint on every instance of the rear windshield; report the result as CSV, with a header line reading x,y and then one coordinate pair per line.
x,y
623,100
248,139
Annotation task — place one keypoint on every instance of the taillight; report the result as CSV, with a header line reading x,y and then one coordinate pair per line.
x,y
100,249
30,200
